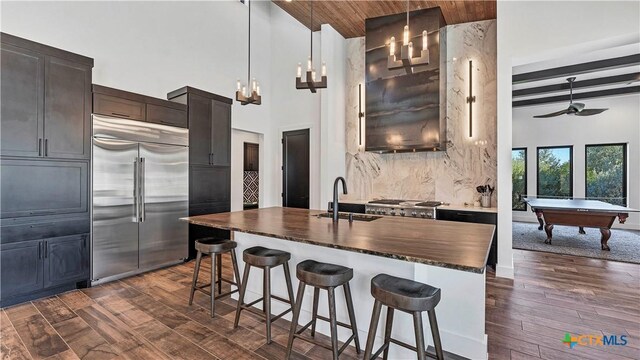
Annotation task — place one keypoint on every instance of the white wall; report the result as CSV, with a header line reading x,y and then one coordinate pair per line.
x,y
238,138
156,47
619,124
530,31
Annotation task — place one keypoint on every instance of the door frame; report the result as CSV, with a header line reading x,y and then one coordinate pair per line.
x,y
310,133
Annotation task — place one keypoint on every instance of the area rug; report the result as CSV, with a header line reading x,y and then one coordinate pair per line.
x,y
624,244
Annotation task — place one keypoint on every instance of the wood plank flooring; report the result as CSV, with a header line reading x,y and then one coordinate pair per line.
x,y
147,317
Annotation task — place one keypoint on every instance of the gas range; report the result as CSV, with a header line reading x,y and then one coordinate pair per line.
x,y
407,208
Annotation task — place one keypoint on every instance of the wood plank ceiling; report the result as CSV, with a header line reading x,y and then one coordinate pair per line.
x,y
347,16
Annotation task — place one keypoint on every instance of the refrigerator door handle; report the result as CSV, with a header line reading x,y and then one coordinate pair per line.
x,y
136,203
142,190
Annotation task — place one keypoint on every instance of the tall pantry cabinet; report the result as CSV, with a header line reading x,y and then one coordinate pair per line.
x,y
45,111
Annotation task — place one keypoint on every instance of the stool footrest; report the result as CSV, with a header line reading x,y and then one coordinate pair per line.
x,y
261,313
403,344
312,340
207,292
339,323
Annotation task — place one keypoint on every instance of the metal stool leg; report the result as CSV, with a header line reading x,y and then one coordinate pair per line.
x,y
266,301
236,272
219,262
194,282
294,318
352,315
387,332
417,324
314,314
371,337
213,285
243,289
433,323
333,322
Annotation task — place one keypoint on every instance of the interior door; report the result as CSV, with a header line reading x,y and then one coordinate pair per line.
x,y
164,177
115,220
295,169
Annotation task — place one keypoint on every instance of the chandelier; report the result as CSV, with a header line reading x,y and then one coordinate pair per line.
x,y
407,59
244,94
310,77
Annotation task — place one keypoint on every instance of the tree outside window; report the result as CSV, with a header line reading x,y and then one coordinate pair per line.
x,y
606,173
519,178
555,172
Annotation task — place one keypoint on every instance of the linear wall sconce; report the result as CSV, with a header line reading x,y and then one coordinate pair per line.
x,y
360,114
471,98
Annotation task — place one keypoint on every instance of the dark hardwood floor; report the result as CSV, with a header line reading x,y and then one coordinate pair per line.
x,y
147,317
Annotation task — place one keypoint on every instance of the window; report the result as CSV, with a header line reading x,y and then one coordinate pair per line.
x,y
555,172
519,178
606,173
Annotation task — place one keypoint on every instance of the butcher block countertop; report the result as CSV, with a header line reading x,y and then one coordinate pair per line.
x,y
449,244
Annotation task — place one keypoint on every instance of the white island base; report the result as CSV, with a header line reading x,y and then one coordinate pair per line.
x,y
460,313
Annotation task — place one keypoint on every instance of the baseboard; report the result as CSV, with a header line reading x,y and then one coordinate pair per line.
x,y
504,271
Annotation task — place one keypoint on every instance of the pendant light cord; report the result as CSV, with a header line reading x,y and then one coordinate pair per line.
x,y
249,50
311,31
407,12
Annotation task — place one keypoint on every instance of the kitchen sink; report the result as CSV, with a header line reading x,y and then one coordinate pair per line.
x,y
356,217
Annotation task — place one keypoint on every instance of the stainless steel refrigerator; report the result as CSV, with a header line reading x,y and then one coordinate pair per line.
x,y
140,181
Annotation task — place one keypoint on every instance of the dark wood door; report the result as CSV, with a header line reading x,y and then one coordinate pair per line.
x,y
199,130
295,169
66,260
21,268
221,133
67,109
21,102
38,187
251,157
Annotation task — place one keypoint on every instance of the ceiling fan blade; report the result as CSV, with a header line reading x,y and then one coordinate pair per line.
x,y
589,112
553,114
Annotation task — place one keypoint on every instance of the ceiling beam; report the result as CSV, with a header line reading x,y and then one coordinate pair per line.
x,y
583,68
579,96
607,80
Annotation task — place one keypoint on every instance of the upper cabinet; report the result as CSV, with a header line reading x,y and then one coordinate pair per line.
x,y
209,118
46,101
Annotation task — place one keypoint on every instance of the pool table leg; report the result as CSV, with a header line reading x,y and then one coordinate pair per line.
x,y
540,219
606,234
548,228
581,230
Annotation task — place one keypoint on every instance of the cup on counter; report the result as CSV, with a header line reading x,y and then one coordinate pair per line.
x,y
486,200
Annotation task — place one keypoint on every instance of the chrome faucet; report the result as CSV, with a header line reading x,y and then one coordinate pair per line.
x,y
335,195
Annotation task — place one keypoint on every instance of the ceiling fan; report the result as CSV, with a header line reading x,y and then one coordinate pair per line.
x,y
574,108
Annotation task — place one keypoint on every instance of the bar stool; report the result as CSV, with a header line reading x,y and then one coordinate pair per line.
x,y
215,248
328,277
408,296
265,259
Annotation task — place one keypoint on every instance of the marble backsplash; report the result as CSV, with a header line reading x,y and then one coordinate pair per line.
x,y
450,176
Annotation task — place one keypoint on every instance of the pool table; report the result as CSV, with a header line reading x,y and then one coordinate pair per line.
x,y
578,212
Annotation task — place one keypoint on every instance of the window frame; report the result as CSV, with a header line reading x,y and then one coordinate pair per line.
x,y
571,179
526,174
625,157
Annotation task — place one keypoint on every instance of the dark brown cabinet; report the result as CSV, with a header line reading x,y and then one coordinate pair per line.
x,y
46,101
209,122
45,157
166,116
251,157
118,107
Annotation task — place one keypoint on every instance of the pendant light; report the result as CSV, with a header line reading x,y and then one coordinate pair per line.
x,y
244,94
407,61
310,76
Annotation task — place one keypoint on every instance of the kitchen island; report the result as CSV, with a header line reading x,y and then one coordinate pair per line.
x,y
448,255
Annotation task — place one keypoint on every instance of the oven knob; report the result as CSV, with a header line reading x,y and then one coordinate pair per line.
x,y
401,212
379,212
414,213
392,212
423,214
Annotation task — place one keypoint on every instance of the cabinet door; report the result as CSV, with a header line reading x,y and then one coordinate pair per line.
x,y
66,260
67,109
118,107
43,187
199,130
21,101
209,185
221,133
21,268
166,116
251,157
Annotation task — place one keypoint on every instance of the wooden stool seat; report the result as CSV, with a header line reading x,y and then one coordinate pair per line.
x,y
319,274
404,294
214,246
408,296
328,277
260,256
